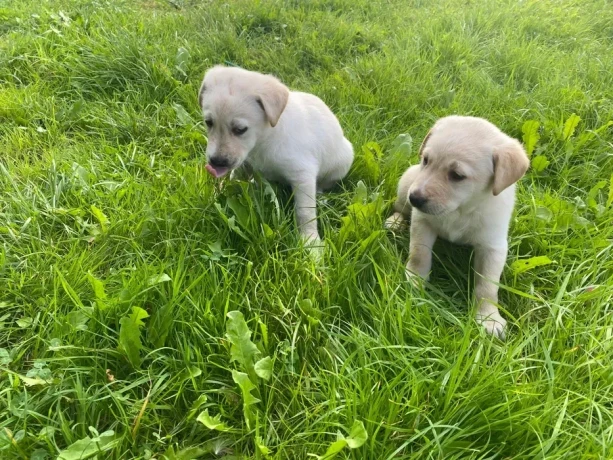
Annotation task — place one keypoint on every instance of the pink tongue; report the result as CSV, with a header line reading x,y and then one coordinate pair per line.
x,y
216,172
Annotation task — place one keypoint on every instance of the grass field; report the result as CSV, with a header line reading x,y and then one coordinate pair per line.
x,y
121,258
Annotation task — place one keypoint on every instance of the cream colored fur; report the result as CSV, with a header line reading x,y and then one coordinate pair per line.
x,y
290,137
463,191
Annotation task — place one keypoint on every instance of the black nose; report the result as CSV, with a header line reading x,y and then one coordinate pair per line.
x,y
219,162
417,200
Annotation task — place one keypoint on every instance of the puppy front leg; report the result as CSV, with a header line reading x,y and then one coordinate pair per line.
x,y
423,238
489,263
306,211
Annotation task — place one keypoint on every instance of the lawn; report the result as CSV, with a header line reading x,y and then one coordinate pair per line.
x,y
148,311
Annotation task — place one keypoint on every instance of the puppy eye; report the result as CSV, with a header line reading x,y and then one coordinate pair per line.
x,y
238,131
209,123
456,176
425,160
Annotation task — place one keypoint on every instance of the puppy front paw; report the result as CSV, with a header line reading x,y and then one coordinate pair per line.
x,y
416,280
311,239
394,222
493,323
314,245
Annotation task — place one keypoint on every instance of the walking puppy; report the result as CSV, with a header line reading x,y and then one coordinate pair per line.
x,y
464,192
287,136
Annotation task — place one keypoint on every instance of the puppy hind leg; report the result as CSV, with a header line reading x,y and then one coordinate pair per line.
x,y
402,206
338,166
402,211
394,221
345,160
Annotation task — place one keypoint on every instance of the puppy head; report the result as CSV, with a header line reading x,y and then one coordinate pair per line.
x,y
464,160
239,106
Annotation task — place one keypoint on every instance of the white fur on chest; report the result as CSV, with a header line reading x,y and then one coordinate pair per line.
x,y
268,164
456,227
485,222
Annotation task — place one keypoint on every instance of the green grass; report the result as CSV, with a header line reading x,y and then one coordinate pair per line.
x,y
103,192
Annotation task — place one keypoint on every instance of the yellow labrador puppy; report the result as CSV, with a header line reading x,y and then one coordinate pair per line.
x,y
463,191
287,136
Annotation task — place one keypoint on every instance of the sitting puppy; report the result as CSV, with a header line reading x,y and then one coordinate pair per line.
x,y
464,192
287,136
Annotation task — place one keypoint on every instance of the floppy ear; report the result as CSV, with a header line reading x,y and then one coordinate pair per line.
x,y
423,144
510,164
272,96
